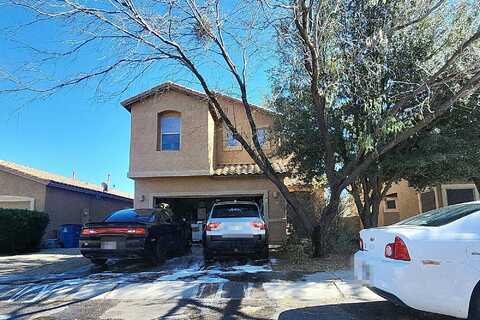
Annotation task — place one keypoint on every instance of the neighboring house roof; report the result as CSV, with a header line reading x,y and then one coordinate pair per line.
x,y
171,86
246,169
58,181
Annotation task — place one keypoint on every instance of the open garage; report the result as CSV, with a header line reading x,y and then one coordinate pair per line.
x,y
192,197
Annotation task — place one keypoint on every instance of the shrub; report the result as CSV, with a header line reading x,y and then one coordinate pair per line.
x,y
21,230
297,250
345,235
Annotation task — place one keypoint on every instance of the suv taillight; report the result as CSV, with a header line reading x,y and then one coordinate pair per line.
x,y
361,245
212,226
258,225
397,250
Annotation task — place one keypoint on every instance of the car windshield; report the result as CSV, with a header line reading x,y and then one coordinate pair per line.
x,y
235,211
442,216
132,215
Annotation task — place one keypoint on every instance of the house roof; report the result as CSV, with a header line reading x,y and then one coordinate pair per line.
x,y
246,169
172,86
58,181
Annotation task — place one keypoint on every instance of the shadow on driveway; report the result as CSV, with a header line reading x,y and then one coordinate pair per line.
x,y
379,310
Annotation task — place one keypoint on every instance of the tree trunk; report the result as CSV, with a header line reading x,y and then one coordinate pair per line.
x,y
368,200
321,232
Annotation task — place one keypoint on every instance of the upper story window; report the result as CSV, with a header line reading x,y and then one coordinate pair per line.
x,y
262,136
391,203
170,125
231,142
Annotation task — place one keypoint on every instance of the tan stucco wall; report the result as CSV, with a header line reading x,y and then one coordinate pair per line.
x,y
191,159
65,207
237,114
209,187
407,202
13,185
202,145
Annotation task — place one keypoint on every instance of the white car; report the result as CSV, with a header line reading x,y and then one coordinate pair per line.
x,y
430,262
235,228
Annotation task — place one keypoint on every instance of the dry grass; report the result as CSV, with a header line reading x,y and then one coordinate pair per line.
x,y
332,262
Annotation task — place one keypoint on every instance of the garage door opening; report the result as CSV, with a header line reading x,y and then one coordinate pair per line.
x,y
196,210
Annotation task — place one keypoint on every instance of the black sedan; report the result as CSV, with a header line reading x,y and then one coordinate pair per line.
x,y
151,234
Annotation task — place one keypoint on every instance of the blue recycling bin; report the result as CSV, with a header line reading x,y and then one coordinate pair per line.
x,y
69,234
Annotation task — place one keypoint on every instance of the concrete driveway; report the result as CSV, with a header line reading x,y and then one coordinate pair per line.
x,y
187,288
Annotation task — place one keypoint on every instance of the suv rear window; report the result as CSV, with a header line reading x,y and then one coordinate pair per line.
x,y
235,211
137,215
442,216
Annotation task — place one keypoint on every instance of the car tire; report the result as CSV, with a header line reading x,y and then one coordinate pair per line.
x,y
98,262
474,310
158,256
264,254
207,255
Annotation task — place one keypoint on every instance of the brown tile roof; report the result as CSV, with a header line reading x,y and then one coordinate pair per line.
x,y
246,169
59,181
172,86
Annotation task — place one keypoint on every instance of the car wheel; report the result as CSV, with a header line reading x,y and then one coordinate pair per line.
x,y
474,312
99,262
263,255
159,256
207,255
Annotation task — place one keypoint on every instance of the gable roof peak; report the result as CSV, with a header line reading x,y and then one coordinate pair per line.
x,y
173,86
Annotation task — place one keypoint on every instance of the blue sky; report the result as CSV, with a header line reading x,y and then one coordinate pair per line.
x,y
76,129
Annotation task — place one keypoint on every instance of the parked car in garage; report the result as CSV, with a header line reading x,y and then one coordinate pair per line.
x,y
152,234
430,262
235,228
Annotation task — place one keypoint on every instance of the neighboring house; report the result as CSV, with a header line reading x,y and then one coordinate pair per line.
x,y
66,200
403,201
181,155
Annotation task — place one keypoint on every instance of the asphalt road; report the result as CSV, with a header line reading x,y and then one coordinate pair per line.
x,y
187,288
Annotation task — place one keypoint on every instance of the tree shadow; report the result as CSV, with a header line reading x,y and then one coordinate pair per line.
x,y
39,296
378,310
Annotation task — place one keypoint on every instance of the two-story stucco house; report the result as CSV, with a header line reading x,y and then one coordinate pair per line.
x,y
181,155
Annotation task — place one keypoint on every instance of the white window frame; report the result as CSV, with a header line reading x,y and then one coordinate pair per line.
x,y
446,187
172,133
19,199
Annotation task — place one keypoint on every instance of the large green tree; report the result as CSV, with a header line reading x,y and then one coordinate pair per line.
x,y
353,93
448,151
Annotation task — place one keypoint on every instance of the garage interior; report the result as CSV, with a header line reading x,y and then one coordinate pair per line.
x,y
195,210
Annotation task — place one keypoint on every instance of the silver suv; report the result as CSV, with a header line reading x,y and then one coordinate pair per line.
x,y
235,228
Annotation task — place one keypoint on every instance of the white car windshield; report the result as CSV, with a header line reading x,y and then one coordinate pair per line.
x,y
235,211
442,216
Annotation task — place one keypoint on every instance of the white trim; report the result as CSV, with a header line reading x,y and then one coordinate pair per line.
x,y
155,174
445,187
419,199
19,199
437,203
166,114
213,194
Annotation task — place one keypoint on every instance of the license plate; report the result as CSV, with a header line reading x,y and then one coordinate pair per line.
x,y
235,228
366,272
109,245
